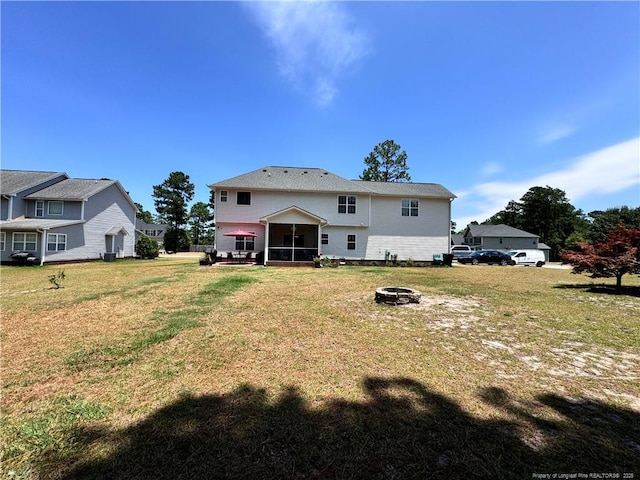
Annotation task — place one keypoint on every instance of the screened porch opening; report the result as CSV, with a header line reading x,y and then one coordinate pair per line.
x,y
293,242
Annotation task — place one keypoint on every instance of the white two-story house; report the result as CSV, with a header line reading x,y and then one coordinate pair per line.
x,y
293,214
60,219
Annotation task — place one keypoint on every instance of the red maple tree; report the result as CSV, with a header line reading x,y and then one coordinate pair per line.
x,y
617,255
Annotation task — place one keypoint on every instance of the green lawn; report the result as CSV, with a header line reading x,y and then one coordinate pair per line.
x,y
167,370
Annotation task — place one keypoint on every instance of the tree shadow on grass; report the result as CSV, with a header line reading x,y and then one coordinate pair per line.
x,y
629,290
403,430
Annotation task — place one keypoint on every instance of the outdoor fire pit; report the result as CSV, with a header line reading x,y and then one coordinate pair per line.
x,y
396,295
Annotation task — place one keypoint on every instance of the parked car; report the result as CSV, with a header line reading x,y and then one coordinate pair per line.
x,y
459,251
487,256
528,257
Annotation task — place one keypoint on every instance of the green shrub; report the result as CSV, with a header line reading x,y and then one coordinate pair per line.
x,y
147,247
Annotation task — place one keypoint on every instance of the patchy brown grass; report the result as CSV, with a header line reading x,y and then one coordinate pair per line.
x,y
509,355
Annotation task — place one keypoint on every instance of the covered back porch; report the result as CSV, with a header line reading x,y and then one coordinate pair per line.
x,y
292,236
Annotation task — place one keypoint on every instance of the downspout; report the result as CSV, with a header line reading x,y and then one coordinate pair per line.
x,y
43,244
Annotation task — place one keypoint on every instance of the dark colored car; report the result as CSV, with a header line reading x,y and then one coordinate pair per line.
x,y
487,256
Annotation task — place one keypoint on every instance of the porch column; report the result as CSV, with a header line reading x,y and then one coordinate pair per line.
x,y
266,245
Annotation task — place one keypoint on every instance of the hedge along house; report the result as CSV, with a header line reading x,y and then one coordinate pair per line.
x,y
298,213
62,219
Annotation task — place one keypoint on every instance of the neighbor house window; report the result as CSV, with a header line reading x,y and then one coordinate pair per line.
x,y
409,207
245,243
325,239
3,236
55,208
351,242
56,242
223,195
244,198
346,204
24,241
39,208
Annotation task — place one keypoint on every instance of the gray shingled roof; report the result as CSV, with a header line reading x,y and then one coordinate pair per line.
x,y
319,180
407,189
30,224
498,231
72,189
16,181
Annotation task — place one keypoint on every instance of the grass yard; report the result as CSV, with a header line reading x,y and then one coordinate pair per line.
x,y
167,370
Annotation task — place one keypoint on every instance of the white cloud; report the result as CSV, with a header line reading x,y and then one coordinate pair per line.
x,y
315,43
554,134
609,170
490,169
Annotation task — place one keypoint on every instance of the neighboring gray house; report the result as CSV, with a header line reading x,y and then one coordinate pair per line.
x,y
499,237
57,218
292,214
154,231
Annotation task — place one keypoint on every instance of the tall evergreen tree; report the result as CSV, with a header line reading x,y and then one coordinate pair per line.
x,y
171,198
200,219
386,163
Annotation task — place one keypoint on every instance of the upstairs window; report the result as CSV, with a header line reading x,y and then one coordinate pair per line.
x,y
223,195
244,198
346,204
409,207
39,208
54,208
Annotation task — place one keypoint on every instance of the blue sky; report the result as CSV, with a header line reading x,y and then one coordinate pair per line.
x,y
487,98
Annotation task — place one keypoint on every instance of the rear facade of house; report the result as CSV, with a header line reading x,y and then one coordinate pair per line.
x,y
299,213
60,219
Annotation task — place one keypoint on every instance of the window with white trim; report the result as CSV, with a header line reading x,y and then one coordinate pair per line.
x,y
24,241
3,237
56,242
243,198
223,195
54,207
346,204
325,239
409,207
39,208
245,243
351,242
